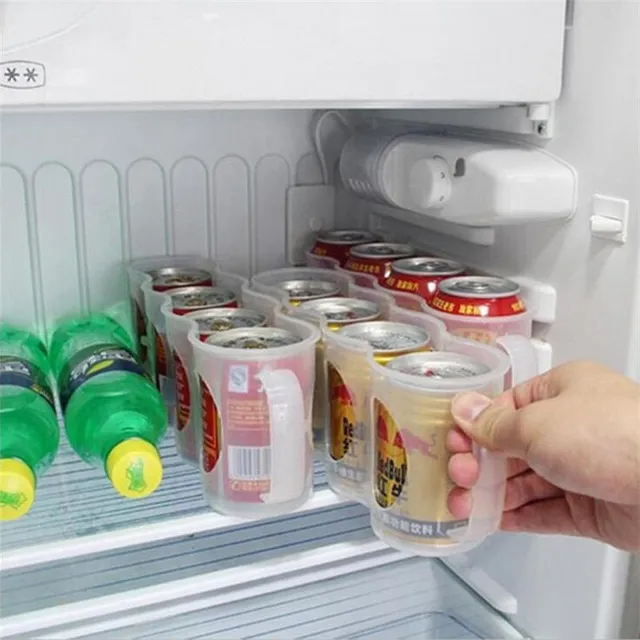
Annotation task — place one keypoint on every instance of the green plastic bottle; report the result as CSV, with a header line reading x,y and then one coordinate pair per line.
x,y
29,432
114,416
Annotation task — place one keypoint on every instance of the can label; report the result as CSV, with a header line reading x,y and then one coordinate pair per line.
x,y
18,372
492,308
93,361
183,393
247,432
476,334
347,444
411,479
378,268
391,458
210,428
141,329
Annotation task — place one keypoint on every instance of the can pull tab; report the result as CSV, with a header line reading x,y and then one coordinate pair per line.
x,y
523,357
289,438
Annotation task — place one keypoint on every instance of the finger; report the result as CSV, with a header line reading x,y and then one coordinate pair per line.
x,y
464,470
546,516
498,427
526,488
458,441
459,503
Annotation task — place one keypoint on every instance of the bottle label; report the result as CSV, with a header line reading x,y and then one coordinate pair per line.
x,y
93,361
18,372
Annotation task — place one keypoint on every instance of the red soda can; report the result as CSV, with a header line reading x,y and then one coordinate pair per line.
x,y
214,320
167,278
480,308
240,427
336,243
187,299
209,321
375,258
421,275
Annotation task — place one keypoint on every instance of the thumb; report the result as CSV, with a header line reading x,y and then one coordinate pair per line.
x,y
492,425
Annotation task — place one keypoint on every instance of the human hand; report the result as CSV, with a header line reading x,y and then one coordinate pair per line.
x,y
573,440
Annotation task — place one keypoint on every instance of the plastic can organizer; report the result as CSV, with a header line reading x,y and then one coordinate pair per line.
x,y
256,388
411,416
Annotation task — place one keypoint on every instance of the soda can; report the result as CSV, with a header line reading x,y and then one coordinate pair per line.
x,y
411,479
239,431
480,308
167,278
375,258
421,275
209,321
187,299
300,291
214,320
389,339
348,391
338,312
336,243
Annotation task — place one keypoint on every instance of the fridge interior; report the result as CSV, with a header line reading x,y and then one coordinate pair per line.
x,y
84,191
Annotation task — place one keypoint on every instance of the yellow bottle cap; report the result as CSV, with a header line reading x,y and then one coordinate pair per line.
x,y
17,488
134,468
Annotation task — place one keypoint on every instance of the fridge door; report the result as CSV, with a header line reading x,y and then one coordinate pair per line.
x,y
277,52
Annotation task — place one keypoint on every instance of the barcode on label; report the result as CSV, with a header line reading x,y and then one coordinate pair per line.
x,y
249,463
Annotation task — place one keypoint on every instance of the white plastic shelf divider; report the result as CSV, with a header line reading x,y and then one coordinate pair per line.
x,y
78,513
344,590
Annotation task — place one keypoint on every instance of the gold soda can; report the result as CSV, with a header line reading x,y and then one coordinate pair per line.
x,y
411,479
338,312
348,381
300,291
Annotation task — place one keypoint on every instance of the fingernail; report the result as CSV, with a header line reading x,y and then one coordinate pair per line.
x,y
467,407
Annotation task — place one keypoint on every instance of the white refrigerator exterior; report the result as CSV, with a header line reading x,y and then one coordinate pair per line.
x,y
83,190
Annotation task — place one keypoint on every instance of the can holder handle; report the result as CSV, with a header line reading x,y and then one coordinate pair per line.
x,y
523,357
286,410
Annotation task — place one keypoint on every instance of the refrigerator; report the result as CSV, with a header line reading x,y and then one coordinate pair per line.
x,y
215,128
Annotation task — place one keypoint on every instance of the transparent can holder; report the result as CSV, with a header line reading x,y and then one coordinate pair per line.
x,y
511,334
148,322
321,394
410,418
268,282
178,385
255,414
348,381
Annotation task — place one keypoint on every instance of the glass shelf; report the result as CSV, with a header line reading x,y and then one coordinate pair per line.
x,y
77,512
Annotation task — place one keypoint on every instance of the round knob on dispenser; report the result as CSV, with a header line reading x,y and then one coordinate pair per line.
x,y
429,183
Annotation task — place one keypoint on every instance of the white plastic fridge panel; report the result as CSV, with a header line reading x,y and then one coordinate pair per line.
x,y
84,192
279,52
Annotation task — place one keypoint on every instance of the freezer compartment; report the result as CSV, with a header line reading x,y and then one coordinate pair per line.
x,y
339,590
270,52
